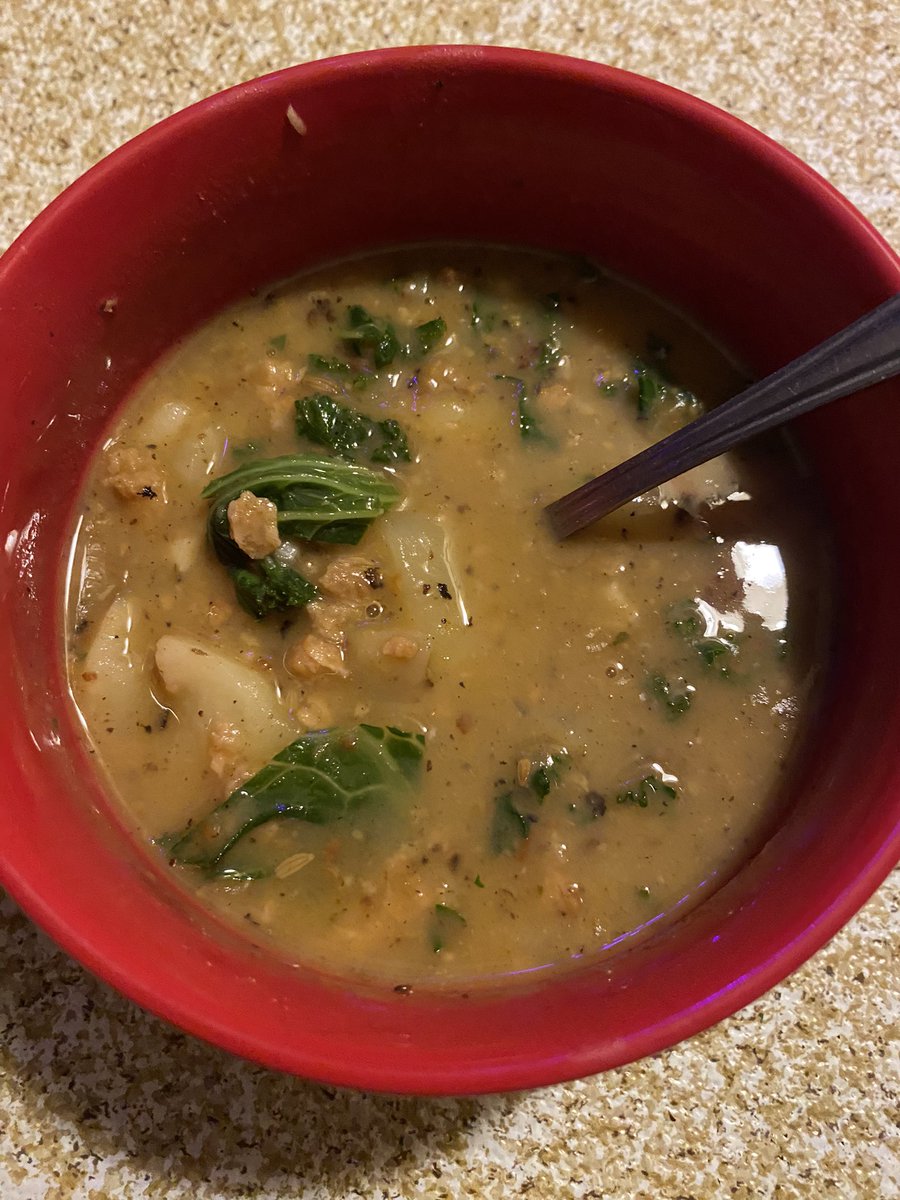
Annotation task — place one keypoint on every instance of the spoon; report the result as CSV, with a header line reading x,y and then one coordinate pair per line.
x,y
864,353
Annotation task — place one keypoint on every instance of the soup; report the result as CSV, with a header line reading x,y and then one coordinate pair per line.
x,y
338,672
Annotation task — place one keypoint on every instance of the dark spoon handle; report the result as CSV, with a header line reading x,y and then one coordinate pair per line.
x,y
866,352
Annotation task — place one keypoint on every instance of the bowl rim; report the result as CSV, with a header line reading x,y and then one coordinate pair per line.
x,y
464,1078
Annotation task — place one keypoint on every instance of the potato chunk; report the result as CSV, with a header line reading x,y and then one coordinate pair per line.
x,y
213,690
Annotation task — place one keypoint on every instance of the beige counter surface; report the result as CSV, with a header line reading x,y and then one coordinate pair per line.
x,y
797,1096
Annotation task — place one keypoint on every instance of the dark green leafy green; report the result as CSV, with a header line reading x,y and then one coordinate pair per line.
x,y
685,619
675,698
547,773
445,925
509,826
429,334
343,429
321,365
321,778
515,811
278,343
717,653
483,319
318,499
651,387
652,786
371,336
529,428
655,387
270,586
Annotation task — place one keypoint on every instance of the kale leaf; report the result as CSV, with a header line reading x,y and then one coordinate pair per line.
x,y
547,773
371,336
529,428
445,924
654,385
320,365
318,499
321,778
514,810
429,334
651,785
271,587
328,422
509,826
675,698
715,652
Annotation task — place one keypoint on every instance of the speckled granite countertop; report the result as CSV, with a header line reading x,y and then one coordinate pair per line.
x,y
794,1097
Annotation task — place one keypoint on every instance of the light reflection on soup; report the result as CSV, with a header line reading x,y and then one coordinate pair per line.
x,y
494,752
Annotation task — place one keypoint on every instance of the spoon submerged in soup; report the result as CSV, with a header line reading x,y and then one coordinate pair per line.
x,y
864,353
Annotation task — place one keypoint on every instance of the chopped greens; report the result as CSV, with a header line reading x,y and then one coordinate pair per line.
x,y
378,340
715,652
652,786
278,343
675,699
483,319
271,587
653,384
512,815
445,924
547,773
321,365
370,336
529,428
429,334
685,619
321,777
509,826
318,499
651,388
328,422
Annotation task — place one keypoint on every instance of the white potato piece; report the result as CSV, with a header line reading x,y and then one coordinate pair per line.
x,y
165,423
113,671
195,457
206,686
185,550
429,589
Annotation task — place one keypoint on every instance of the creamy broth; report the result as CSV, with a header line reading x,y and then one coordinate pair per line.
x,y
592,734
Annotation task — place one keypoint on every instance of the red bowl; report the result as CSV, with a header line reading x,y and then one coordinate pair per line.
x,y
419,145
